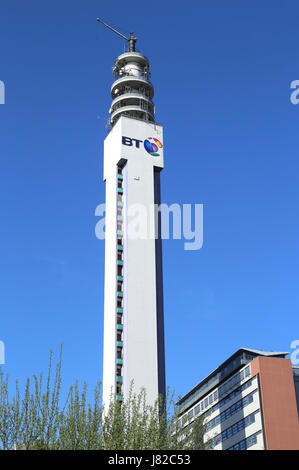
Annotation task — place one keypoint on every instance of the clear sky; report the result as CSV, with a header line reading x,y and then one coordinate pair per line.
x,y
222,74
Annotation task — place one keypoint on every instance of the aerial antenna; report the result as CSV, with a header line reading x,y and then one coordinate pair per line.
x,y
131,40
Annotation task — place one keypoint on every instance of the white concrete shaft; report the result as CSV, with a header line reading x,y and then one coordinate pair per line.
x,y
140,350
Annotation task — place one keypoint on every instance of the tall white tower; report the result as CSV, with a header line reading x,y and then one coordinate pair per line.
x,y
133,159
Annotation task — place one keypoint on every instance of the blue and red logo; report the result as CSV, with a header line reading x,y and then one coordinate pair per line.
x,y
152,146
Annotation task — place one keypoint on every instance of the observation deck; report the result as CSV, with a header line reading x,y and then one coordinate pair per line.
x,y
132,92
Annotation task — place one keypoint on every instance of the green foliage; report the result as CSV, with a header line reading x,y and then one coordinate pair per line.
x,y
39,421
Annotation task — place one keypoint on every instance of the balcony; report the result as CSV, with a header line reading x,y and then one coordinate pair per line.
x,y
134,82
132,98
139,112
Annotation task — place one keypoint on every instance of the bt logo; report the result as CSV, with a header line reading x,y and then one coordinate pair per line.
x,y
150,144
152,147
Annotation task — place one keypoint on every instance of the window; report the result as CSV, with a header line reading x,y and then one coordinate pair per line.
x,y
229,432
225,400
119,335
245,443
119,286
119,353
242,445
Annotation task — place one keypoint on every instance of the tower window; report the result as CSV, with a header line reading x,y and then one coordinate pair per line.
x,y
119,286
119,270
119,353
119,335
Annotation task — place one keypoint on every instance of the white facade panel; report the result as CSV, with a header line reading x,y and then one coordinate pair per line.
x,y
260,445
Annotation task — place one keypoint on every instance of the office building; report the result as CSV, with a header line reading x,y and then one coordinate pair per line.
x,y
249,402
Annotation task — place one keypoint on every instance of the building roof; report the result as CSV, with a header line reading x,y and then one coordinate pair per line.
x,y
264,353
255,352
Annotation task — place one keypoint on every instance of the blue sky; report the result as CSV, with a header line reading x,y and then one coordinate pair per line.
x,y
222,74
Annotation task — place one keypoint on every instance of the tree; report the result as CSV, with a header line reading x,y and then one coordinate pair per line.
x,y
39,420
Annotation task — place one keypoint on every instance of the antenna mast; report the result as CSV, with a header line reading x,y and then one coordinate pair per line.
x,y
131,40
